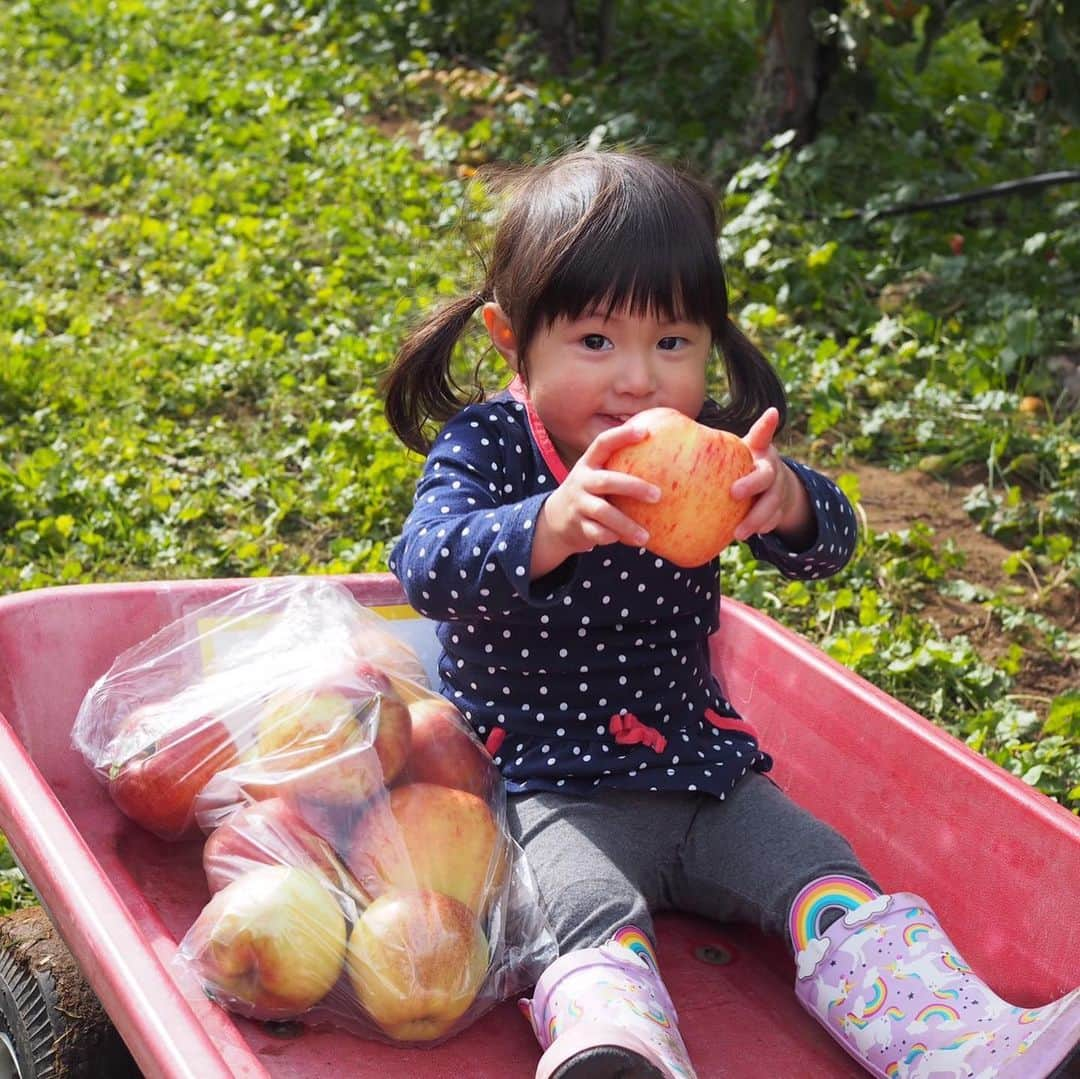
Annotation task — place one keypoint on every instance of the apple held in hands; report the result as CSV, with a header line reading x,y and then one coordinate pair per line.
x,y
445,752
416,960
429,837
173,756
694,466
270,945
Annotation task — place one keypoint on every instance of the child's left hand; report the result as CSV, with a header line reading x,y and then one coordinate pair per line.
x,y
781,503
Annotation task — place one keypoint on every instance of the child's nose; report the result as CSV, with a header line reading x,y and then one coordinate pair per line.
x,y
635,375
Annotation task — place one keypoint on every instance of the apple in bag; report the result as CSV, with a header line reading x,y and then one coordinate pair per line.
x,y
416,960
270,833
329,795
340,709
269,945
445,752
694,466
429,837
397,660
173,755
330,746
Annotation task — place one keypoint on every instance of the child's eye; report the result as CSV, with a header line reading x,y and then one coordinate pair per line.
x,y
670,343
594,342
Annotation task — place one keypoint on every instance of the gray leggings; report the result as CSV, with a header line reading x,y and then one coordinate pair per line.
x,y
614,858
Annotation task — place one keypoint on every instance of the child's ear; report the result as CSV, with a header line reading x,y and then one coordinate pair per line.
x,y
501,333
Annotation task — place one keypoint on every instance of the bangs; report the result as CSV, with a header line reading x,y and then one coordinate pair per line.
x,y
660,278
640,239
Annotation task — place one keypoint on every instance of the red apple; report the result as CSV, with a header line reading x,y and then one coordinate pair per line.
x,y
390,655
429,837
269,833
904,10
445,751
694,466
416,960
328,795
270,945
177,754
344,709
328,747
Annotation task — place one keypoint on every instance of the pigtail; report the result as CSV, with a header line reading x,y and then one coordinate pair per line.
x,y
419,388
752,384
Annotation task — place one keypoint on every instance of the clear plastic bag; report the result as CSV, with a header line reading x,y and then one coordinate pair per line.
x,y
356,848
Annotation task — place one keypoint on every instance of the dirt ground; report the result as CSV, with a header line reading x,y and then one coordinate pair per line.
x,y
893,501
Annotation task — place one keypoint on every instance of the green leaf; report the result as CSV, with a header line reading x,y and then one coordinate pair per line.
x,y
1064,715
821,256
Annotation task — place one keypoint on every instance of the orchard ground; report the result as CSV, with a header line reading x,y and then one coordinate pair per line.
x,y
894,501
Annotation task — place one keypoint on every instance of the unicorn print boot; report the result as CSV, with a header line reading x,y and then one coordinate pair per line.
x,y
603,1013
888,985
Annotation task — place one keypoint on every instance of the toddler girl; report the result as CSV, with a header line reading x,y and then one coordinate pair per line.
x,y
582,659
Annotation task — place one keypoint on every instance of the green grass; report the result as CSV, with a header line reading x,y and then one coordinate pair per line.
x,y
15,893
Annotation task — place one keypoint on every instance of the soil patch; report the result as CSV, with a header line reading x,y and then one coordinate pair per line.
x,y
69,1029
894,501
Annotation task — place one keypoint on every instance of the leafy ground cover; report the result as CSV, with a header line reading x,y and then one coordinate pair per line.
x,y
218,217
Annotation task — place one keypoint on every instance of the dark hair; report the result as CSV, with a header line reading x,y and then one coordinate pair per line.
x,y
591,229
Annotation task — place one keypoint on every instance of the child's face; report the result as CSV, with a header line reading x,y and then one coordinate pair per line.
x,y
588,375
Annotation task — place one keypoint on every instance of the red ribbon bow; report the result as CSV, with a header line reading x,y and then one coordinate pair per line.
x,y
628,730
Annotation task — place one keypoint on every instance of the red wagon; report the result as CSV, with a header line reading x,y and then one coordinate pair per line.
x,y
999,862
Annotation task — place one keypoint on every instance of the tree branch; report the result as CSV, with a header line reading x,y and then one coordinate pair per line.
x,y
995,191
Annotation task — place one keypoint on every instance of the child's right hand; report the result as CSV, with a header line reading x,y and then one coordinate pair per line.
x,y
578,516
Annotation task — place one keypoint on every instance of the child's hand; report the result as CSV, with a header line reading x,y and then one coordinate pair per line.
x,y
578,516
780,500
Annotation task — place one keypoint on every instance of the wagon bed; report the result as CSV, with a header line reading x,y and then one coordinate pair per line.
x,y
998,861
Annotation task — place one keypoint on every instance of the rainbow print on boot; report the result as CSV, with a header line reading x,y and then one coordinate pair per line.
x,y
631,937
834,893
608,999
889,986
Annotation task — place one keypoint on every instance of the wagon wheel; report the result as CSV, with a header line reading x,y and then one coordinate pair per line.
x,y
51,1024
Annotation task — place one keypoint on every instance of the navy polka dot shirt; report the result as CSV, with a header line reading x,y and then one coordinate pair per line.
x,y
596,675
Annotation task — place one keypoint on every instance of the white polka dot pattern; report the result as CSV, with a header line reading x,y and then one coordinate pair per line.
x,y
616,632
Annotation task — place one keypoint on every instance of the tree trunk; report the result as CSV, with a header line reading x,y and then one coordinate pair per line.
x,y
554,19
605,40
794,72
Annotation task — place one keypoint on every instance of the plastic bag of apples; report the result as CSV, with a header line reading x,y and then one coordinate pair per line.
x,y
356,850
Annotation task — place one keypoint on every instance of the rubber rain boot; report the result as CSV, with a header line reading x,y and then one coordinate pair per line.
x,y
604,1013
886,982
